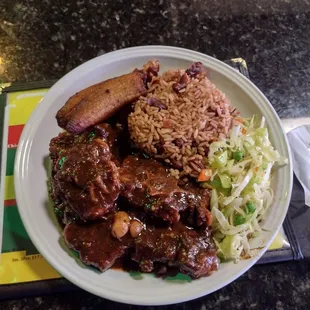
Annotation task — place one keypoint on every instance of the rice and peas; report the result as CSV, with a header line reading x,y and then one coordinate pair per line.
x,y
191,125
181,131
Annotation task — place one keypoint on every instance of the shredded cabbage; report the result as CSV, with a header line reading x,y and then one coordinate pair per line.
x,y
241,171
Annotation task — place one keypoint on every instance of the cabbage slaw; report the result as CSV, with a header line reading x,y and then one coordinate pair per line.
x,y
240,167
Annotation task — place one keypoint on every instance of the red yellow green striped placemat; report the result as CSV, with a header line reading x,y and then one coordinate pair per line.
x,y
20,260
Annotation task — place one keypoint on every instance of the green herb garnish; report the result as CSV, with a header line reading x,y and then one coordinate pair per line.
x,y
90,136
61,162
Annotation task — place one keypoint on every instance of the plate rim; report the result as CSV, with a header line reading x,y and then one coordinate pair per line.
x,y
25,145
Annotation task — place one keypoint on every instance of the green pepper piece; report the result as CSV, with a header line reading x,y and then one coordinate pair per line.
x,y
225,180
220,160
216,183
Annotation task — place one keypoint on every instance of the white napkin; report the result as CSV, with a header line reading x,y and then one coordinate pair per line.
x,y
299,139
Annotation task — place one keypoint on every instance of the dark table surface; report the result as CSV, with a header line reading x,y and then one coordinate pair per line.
x,y
44,39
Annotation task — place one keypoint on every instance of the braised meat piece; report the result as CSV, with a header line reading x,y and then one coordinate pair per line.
x,y
147,184
106,132
200,215
192,251
111,136
58,149
87,179
64,141
60,144
95,244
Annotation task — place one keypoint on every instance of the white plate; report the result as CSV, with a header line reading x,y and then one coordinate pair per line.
x,y
31,177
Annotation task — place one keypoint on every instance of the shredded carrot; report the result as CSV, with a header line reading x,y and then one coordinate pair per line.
x,y
204,175
256,169
239,120
243,131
